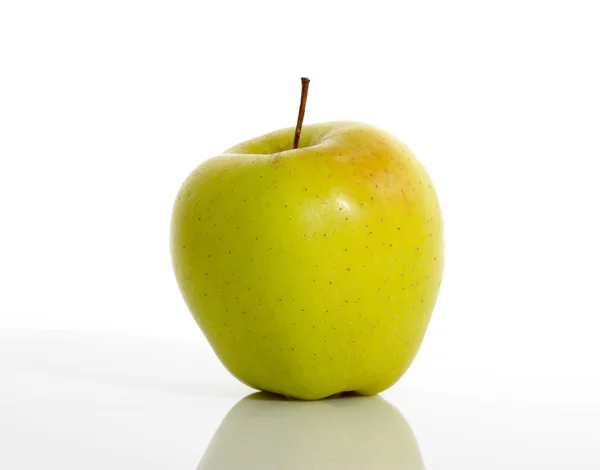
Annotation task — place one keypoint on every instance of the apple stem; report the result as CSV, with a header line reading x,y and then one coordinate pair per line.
x,y
305,82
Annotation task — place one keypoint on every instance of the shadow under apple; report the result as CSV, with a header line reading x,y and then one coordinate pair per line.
x,y
266,432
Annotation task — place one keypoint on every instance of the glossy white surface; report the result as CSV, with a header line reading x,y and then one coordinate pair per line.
x,y
73,401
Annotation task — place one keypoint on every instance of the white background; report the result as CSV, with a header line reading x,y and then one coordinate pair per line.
x,y
105,107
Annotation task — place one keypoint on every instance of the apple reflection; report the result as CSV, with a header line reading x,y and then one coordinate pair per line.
x,y
264,432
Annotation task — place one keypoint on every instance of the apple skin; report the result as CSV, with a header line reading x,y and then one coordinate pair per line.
x,y
348,433
311,271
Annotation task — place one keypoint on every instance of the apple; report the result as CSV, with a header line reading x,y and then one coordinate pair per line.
x,y
311,270
260,433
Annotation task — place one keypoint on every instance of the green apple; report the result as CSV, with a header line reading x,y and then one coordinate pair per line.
x,y
311,271
349,433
